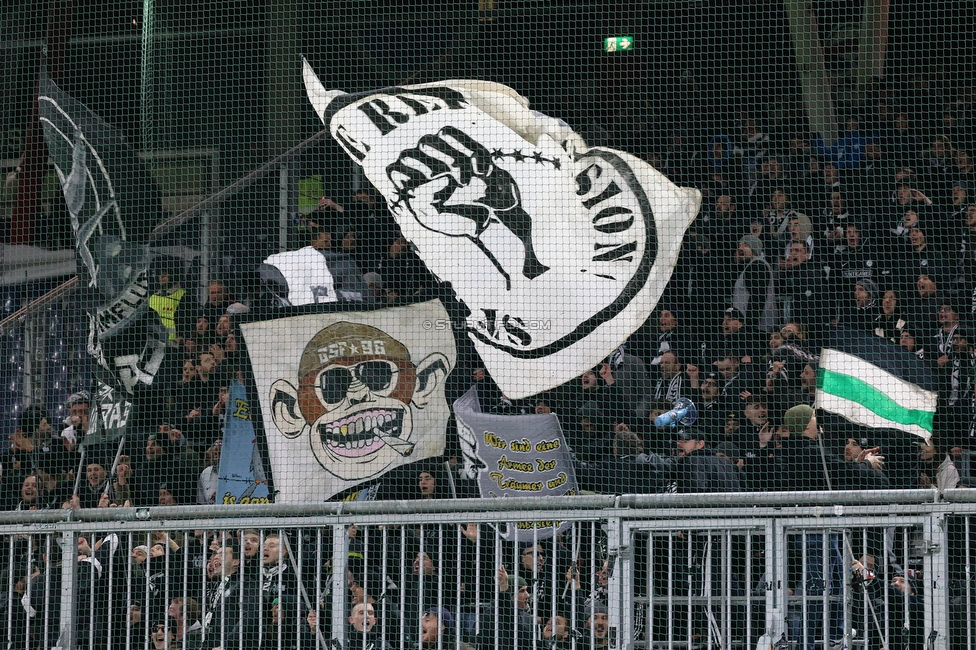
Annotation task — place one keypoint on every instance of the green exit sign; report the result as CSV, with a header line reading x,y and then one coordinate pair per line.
x,y
618,44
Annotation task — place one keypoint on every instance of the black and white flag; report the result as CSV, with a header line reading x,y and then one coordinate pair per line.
x,y
114,203
559,251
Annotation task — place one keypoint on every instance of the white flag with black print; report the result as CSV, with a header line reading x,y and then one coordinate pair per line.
x,y
559,251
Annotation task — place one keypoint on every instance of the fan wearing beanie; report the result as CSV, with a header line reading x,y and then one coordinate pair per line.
x,y
753,292
806,464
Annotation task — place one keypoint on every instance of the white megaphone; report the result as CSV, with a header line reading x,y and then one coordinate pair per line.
x,y
683,412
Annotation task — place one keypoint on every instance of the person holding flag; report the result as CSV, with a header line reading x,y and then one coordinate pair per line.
x,y
806,465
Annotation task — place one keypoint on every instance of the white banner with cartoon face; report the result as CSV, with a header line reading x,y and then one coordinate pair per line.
x,y
559,251
348,396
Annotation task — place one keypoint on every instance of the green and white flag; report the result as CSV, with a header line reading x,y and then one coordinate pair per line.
x,y
876,384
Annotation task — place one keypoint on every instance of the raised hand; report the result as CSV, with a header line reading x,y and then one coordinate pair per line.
x,y
454,174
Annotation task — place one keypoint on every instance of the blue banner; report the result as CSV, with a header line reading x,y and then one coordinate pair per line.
x,y
515,455
241,477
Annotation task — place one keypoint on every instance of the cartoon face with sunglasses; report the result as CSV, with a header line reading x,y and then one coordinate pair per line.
x,y
358,395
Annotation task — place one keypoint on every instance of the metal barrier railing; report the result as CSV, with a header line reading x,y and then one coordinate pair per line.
x,y
465,574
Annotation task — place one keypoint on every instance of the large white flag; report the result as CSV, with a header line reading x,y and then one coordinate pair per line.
x,y
559,251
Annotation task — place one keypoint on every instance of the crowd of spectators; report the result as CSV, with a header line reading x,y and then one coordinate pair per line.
x,y
443,585
411,586
796,237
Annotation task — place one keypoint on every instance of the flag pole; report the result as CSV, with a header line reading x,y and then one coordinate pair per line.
x,y
81,467
823,456
849,552
301,591
115,465
450,479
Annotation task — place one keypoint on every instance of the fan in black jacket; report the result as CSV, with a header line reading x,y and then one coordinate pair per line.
x,y
804,463
698,469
